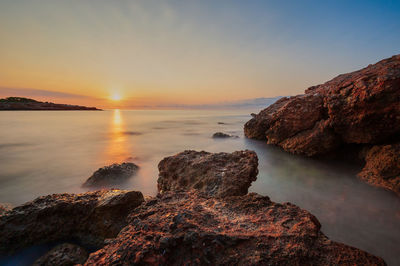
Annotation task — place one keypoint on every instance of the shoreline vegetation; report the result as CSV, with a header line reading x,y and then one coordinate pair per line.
x,y
27,104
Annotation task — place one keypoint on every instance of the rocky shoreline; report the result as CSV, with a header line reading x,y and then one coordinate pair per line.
x,y
358,110
20,104
201,215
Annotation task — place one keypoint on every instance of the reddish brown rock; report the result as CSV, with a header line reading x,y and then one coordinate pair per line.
x,y
193,228
382,167
90,218
63,255
218,174
361,107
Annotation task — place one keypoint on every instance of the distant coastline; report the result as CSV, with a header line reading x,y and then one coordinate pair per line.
x,y
27,104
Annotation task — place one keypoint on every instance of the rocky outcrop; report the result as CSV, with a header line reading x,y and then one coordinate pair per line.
x,y
20,103
218,174
89,218
382,167
193,228
63,255
361,107
221,135
111,175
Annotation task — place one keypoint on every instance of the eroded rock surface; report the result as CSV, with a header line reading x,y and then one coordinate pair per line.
x,y
382,167
89,218
218,174
193,228
361,107
111,175
63,255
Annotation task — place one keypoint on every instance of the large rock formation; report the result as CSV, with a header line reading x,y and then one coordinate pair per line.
x,y
89,218
358,108
108,176
361,107
214,223
63,255
193,228
218,174
382,167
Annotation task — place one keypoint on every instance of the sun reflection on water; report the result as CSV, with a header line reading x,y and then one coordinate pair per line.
x,y
117,149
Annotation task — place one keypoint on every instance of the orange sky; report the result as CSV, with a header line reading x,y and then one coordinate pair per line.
x,y
166,53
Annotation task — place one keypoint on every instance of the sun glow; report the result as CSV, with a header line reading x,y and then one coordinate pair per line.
x,y
116,96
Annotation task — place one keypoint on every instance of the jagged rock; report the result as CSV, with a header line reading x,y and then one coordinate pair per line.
x,y
218,174
361,107
382,167
111,175
221,135
89,218
193,228
63,255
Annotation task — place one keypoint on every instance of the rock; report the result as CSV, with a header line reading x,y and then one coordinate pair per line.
x,y
63,255
382,167
221,123
218,174
193,228
4,207
89,218
221,135
111,175
361,107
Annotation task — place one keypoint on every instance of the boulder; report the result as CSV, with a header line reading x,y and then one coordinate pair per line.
x,y
88,218
63,255
382,167
111,175
218,174
194,228
361,107
221,135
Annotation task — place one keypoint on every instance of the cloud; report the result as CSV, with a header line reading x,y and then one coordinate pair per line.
x,y
31,93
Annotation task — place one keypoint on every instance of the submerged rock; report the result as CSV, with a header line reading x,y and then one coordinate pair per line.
x,y
361,107
63,255
382,167
89,218
218,174
110,175
193,228
221,135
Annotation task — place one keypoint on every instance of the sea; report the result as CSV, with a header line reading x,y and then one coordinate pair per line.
x,y
46,152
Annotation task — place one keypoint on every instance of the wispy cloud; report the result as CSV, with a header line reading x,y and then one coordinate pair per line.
x,y
29,92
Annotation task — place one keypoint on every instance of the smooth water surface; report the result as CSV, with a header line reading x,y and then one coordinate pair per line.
x,y
56,151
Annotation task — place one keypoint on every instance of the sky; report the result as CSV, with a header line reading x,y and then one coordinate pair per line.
x,y
138,54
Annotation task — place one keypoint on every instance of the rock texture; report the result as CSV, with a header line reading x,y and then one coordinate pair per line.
x,y
221,135
382,167
89,218
361,107
218,174
63,255
193,228
111,175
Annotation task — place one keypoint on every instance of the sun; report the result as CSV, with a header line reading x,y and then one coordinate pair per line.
x,y
116,97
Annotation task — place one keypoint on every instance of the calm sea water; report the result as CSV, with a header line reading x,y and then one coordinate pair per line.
x,y
52,152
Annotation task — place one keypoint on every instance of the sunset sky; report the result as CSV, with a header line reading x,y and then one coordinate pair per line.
x,y
135,54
